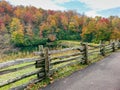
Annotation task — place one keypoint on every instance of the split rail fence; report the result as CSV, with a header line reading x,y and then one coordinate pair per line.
x,y
47,62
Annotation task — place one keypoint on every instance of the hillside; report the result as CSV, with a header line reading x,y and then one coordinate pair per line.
x,y
31,26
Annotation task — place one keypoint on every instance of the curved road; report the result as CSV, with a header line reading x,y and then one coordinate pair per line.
x,y
103,75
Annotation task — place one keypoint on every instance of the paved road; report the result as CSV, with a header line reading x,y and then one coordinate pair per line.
x,y
103,75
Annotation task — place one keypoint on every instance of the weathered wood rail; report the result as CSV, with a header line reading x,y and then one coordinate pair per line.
x,y
49,62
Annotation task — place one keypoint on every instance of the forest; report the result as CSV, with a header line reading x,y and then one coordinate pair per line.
x,y
29,26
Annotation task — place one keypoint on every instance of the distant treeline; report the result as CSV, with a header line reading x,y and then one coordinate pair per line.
x,y
29,25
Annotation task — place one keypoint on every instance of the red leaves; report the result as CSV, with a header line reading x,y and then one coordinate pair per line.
x,y
28,17
104,20
51,12
1,22
1,9
5,7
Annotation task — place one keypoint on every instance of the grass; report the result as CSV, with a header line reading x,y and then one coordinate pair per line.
x,y
68,70
69,43
12,75
13,56
65,72
62,73
57,75
72,43
8,76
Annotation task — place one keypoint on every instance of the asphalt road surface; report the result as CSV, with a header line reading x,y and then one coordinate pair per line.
x,y
103,75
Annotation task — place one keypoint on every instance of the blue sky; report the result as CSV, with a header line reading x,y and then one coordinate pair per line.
x,y
91,8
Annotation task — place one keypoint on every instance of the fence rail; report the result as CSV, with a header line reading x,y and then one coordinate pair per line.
x,y
49,62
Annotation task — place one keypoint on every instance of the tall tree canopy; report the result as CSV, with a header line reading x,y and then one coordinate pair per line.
x,y
32,26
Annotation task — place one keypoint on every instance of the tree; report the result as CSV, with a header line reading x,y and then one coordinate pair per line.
x,y
88,31
2,26
64,21
5,7
29,31
115,34
17,32
103,31
18,37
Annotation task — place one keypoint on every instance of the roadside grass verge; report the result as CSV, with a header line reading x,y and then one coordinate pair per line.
x,y
62,73
66,71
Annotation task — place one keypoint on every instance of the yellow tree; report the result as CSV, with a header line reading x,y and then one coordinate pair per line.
x,y
88,31
17,31
19,12
115,34
52,21
75,23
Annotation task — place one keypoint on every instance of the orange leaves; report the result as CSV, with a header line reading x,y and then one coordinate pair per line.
x,y
115,34
5,6
1,9
19,12
64,20
29,31
28,17
2,26
52,37
90,28
1,22
28,22
52,20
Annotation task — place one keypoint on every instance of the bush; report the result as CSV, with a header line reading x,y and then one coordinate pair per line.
x,y
51,37
68,35
32,41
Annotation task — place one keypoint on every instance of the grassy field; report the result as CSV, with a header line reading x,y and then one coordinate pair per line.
x,y
57,75
13,56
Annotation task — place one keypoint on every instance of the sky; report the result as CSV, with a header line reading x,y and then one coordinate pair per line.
x,y
90,8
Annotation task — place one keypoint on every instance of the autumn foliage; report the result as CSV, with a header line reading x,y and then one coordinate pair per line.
x,y
31,26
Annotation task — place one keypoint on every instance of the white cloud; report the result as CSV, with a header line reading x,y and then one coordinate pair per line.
x,y
62,1
45,4
101,4
92,13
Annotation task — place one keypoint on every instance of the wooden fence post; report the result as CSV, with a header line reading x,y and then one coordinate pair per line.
x,y
119,44
47,62
113,46
85,58
40,47
38,63
102,48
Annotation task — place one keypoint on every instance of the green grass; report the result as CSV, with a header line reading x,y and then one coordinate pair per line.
x,y
8,76
68,70
62,73
67,43
13,56
57,75
12,75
